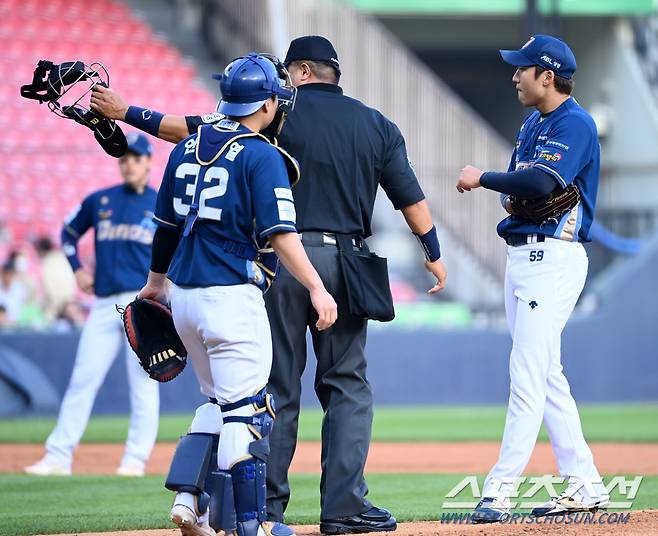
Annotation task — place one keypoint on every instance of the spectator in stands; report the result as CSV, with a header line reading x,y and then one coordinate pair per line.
x,y
13,293
70,316
57,279
4,319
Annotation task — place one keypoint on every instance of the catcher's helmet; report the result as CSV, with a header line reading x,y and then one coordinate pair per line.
x,y
248,81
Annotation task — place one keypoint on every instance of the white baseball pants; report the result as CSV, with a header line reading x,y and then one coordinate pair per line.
x,y
542,284
227,336
101,340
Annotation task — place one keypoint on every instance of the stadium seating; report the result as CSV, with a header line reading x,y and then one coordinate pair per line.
x,y
49,163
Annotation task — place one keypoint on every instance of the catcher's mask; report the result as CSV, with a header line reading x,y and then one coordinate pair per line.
x,y
285,105
248,81
72,81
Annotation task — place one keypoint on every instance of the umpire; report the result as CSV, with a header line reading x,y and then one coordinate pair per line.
x,y
345,150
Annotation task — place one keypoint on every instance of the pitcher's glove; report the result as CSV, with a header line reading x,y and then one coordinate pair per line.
x,y
544,209
151,333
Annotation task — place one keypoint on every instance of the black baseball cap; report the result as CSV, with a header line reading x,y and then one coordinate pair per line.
x,y
545,51
314,48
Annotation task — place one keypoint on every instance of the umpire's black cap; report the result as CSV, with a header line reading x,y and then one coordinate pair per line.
x,y
314,48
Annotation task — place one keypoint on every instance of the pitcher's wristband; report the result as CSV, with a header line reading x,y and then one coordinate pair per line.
x,y
144,119
430,244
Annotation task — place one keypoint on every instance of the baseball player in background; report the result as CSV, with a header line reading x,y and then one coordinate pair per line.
x,y
121,217
557,146
223,187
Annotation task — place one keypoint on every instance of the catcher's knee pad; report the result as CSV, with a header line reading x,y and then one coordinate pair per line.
x,y
192,463
207,419
249,475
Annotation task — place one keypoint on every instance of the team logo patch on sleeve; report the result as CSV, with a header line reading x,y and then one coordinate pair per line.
x,y
550,156
285,204
283,193
287,211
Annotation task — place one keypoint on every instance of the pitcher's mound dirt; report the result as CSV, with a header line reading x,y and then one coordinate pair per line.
x,y
640,523
467,458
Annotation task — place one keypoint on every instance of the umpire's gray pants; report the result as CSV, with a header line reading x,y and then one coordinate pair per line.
x,y
340,384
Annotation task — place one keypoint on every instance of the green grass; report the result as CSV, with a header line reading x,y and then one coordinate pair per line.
x,y
607,423
33,505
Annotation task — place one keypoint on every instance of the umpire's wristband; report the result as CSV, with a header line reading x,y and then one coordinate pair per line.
x,y
144,119
430,244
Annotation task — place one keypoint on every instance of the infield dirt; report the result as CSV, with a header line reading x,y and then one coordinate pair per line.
x,y
468,458
640,523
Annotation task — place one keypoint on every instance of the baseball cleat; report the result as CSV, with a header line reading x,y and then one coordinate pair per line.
x,y
374,520
187,522
130,471
566,505
490,510
274,528
47,468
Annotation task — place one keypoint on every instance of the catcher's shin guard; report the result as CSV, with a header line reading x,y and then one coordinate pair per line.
x,y
219,485
249,476
191,464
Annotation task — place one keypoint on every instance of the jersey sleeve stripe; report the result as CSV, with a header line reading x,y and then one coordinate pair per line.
x,y
552,172
72,231
165,223
277,228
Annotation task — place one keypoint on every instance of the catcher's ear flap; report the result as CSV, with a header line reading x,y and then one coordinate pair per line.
x,y
107,133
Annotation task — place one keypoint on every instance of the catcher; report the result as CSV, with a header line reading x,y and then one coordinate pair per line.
x,y
550,192
221,186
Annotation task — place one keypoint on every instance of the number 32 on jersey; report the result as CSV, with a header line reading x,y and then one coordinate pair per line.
x,y
215,182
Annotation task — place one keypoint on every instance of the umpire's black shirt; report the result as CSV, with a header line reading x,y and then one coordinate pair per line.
x,y
344,150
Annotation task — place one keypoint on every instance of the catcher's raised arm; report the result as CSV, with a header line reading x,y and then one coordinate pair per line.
x,y
174,128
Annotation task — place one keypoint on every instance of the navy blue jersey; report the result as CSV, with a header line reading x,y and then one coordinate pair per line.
x,y
122,221
226,188
564,144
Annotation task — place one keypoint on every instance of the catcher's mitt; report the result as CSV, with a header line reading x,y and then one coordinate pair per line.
x,y
151,333
547,208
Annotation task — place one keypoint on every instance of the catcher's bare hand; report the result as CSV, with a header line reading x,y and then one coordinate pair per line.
x,y
437,269
469,179
325,306
155,288
85,280
108,102
154,292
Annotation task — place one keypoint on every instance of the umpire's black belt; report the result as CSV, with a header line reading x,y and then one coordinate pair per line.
x,y
522,240
321,239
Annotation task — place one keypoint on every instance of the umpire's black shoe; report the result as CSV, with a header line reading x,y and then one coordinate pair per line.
x,y
374,520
